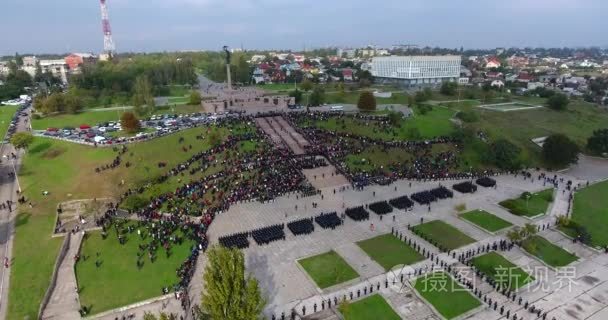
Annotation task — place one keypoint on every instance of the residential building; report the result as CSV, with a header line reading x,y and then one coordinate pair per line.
x,y
30,61
76,60
56,67
416,70
493,62
4,70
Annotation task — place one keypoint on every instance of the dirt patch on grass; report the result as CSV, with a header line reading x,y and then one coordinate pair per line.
x,y
53,153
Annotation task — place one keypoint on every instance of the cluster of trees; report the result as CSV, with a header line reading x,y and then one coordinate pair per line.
x,y
229,292
58,103
15,82
215,67
598,142
117,81
579,232
558,101
367,101
449,88
519,234
129,122
504,155
559,151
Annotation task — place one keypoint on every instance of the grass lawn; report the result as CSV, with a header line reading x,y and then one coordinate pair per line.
x,y
485,220
372,307
6,115
548,252
178,100
375,157
328,269
90,118
388,251
536,205
501,270
443,235
446,295
118,281
433,124
591,211
67,172
519,127
179,109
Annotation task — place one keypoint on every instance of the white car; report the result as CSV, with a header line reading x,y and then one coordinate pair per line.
x,y
159,128
140,134
102,129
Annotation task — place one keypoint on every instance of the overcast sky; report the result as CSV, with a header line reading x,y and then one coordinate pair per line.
x,y
59,26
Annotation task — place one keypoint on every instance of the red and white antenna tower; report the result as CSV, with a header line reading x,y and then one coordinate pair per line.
x,y
108,42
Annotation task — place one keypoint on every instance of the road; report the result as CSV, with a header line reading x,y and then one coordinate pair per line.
x,y
8,190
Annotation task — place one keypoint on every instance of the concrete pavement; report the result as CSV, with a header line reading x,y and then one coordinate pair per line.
x,y
8,191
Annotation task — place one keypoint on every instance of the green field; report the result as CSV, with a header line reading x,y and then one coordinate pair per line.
x,y
91,118
446,295
548,252
506,274
67,172
442,235
519,127
372,307
6,115
118,281
536,204
328,269
485,220
591,211
433,124
389,252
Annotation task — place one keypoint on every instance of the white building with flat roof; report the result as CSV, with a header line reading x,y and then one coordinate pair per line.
x,y
416,70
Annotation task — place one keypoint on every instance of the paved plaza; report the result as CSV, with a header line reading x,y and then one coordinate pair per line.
x,y
287,286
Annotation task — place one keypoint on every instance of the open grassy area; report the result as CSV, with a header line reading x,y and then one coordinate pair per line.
x,y
446,295
548,252
432,124
591,211
519,127
328,269
6,115
529,204
506,274
485,220
372,307
90,118
375,158
388,251
118,281
67,172
442,235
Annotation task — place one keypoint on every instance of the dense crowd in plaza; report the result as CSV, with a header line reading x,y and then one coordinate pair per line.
x,y
230,175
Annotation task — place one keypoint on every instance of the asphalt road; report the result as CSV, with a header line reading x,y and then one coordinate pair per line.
x,y
8,191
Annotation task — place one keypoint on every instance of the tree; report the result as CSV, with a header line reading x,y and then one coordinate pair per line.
x,y
448,88
514,235
72,103
142,92
558,102
229,293
195,98
129,122
306,85
317,97
297,95
598,142
22,140
394,118
505,154
559,151
529,230
367,101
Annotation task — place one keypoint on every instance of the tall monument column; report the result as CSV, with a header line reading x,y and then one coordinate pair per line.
x,y
228,73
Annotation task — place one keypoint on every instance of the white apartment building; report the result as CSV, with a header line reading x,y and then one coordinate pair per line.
x,y
416,70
